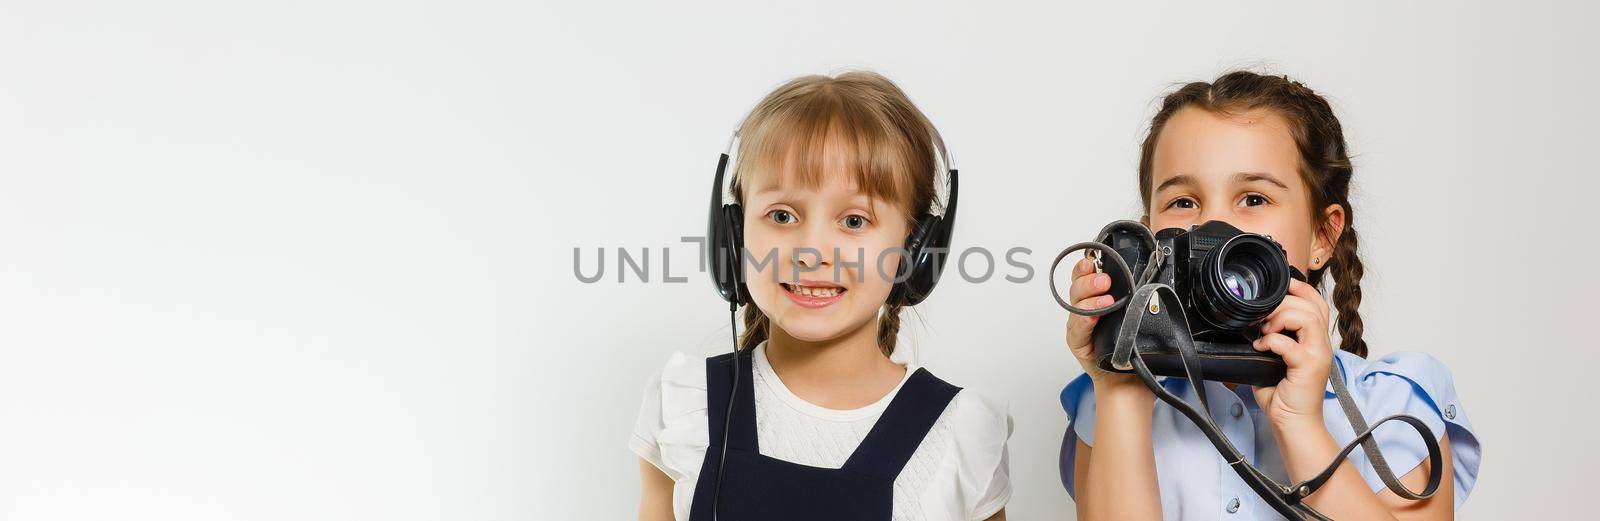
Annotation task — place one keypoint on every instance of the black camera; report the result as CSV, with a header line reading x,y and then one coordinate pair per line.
x,y
1226,282
1187,305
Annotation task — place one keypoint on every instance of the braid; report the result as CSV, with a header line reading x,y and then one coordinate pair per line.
x,y
1347,272
889,328
755,328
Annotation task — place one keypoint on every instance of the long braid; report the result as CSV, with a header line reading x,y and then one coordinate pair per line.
x,y
1347,272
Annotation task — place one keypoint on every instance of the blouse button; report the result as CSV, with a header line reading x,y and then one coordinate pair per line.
x,y
1238,410
1233,505
1450,411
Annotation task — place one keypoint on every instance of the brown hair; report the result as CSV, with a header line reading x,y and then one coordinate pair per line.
x,y
888,148
1325,168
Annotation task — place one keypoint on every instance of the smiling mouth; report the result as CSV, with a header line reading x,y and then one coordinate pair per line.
x,y
819,292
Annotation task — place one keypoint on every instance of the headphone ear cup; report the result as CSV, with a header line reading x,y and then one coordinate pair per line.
x,y
922,263
723,241
733,215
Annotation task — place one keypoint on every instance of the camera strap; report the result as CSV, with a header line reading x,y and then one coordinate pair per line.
x,y
1370,445
1157,299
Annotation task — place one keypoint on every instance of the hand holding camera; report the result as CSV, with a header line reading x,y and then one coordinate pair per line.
x,y
1297,332
1091,290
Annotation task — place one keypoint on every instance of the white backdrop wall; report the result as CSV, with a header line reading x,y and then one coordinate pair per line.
x,y
314,260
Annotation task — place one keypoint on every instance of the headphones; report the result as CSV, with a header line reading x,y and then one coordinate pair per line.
x,y
920,266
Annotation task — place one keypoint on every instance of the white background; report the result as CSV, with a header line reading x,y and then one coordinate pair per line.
x,y
314,260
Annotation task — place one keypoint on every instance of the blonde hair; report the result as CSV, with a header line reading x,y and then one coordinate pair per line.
x,y
888,149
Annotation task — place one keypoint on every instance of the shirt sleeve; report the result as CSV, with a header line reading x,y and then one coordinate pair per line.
x,y
671,431
1077,398
648,425
985,428
1419,385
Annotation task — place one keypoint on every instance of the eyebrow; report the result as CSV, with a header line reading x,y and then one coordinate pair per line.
x,y
1246,177
859,199
1182,179
1240,177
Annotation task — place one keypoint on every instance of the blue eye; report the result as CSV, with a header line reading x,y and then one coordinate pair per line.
x,y
781,216
854,222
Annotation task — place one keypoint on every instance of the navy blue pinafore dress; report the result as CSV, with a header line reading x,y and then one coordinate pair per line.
x,y
761,488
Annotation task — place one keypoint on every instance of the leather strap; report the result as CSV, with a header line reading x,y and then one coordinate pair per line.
x,y
1105,252
1370,445
1128,336
1097,250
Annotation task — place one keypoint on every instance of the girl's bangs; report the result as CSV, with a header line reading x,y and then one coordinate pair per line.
x,y
801,150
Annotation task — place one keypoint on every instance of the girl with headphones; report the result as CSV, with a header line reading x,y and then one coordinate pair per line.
x,y
831,233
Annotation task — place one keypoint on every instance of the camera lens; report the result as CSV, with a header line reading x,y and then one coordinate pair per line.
x,y
1244,279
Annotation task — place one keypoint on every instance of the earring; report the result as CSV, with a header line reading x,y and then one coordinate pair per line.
x,y
1315,261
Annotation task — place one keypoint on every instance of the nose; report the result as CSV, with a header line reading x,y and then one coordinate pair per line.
x,y
809,258
814,247
1213,213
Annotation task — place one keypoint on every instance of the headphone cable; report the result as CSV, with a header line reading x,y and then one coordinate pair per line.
x,y
733,331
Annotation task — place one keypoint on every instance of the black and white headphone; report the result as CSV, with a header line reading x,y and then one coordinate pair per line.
x,y
925,248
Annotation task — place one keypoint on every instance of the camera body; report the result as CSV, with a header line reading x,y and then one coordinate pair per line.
x,y
1227,280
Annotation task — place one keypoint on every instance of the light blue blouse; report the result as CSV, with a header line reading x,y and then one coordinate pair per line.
x,y
1197,484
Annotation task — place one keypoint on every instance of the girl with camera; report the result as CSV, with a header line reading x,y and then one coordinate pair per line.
x,y
1267,155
